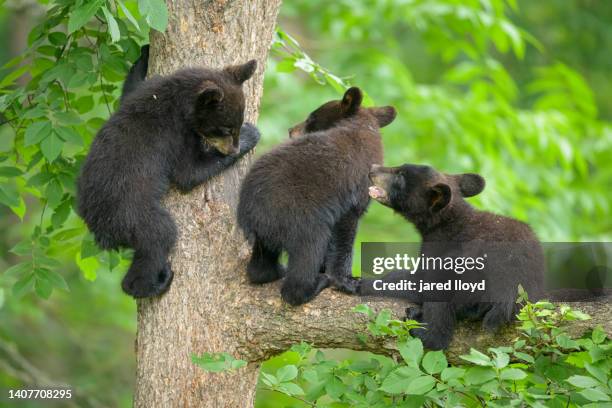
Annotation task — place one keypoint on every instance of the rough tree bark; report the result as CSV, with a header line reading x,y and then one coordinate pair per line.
x,y
210,307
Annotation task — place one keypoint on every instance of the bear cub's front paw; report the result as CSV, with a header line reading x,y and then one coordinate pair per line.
x,y
345,284
249,136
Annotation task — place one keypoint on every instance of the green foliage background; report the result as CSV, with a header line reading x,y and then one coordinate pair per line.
x,y
515,90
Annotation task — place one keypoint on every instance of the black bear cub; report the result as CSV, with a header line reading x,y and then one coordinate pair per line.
x,y
306,197
180,129
452,228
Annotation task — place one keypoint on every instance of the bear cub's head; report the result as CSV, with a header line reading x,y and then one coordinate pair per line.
x,y
331,113
219,109
420,192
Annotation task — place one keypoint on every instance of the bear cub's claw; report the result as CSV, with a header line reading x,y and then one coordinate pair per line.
x,y
139,286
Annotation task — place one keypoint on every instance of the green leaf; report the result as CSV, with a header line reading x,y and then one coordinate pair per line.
x,y
287,373
57,38
82,14
420,385
17,270
22,248
593,394
290,389
434,362
566,342
54,278
476,357
51,147
364,309
335,388
598,335
88,266
1,298
8,196
7,171
67,118
43,288
479,375
397,381
596,372
411,351
450,373
36,132
128,14
582,381
512,374
524,356
113,27
217,362
61,214
54,193
69,135
156,13
20,209
23,285
269,379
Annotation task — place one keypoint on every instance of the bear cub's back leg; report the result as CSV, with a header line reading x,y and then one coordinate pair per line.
x,y
303,281
264,266
154,237
339,259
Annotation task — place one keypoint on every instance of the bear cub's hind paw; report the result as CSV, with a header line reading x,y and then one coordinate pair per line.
x,y
139,286
260,274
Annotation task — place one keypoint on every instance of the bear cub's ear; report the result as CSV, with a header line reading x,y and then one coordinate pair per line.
x,y
471,184
351,101
209,94
384,115
439,197
241,73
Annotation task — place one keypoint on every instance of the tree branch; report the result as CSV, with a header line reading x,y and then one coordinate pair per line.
x,y
269,326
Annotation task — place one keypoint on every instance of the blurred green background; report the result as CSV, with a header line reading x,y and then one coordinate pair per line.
x,y
516,91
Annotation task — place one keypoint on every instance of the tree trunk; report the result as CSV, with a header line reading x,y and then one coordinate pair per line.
x,y
196,313
210,306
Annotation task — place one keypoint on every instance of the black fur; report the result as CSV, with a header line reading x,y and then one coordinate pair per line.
x,y
137,74
168,130
306,197
449,226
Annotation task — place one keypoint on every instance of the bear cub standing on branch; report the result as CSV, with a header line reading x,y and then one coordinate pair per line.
x,y
181,129
306,197
450,227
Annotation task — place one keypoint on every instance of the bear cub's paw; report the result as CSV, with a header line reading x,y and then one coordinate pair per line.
x,y
430,339
345,284
414,313
259,274
297,292
142,286
249,136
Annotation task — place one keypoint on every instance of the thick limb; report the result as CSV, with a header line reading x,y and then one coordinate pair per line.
x,y
150,274
264,266
203,166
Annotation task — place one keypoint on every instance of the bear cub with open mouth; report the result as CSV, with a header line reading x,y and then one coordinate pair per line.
x,y
451,228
